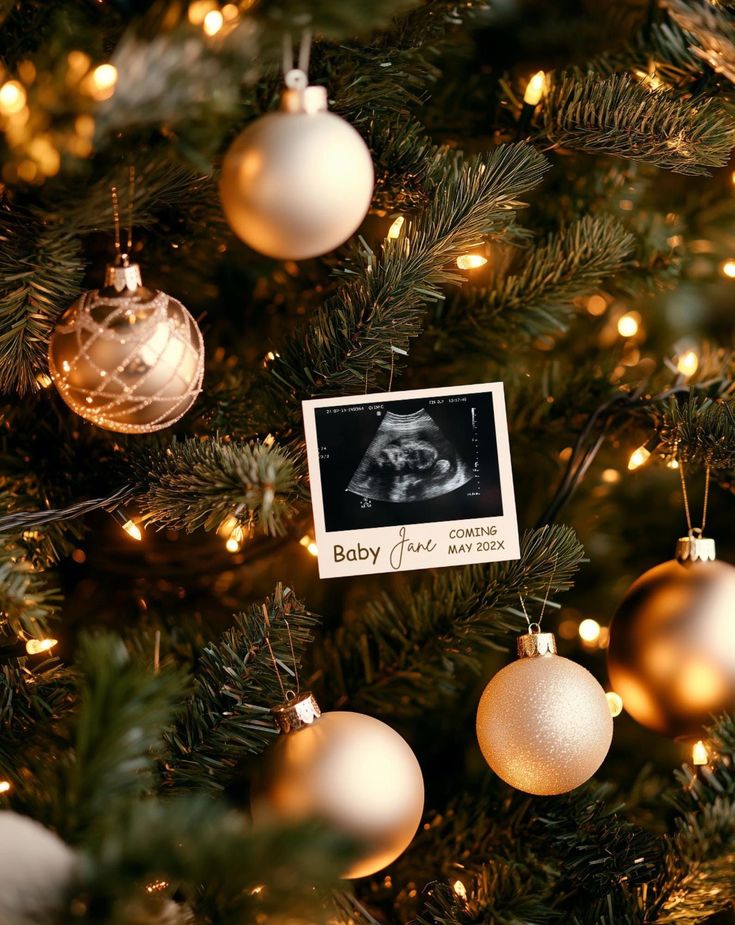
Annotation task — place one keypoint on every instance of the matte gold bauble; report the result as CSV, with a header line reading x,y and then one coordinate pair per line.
x,y
127,358
543,722
350,770
297,183
672,642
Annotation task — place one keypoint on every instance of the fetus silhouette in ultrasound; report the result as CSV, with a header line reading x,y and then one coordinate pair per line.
x,y
409,459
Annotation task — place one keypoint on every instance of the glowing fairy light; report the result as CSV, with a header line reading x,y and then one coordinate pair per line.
x,y
688,362
460,889
699,754
638,458
471,261
37,646
309,544
132,530
629,324
101,83
5,786
12,97
213,22
728,269
615,702
535,89
589,630
395,229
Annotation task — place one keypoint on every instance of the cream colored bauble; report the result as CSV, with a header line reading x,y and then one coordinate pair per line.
x,y
297,183
350,770
543,722
672,642
36,870
127,358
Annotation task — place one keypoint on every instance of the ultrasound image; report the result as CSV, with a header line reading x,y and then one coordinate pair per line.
x,y
409,460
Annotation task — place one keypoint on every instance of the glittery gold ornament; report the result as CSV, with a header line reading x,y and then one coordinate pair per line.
x,y
125,357
543,722
297,183
352,771
672,642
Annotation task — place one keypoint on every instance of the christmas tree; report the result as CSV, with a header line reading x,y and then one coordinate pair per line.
x,y
517,192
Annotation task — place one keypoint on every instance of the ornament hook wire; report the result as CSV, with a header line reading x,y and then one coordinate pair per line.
x,y
296,78
116,218
287,694
695,531
535,625
131,192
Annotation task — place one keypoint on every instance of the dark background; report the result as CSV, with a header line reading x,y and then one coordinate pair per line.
x,y
346,436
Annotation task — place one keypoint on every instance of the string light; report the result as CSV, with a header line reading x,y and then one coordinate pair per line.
x,y
638,458
688,362
629,324
460,889
615,702
535,89
43,380
5,785
589,630
309,544
728,269
471,261
12,97
101,82
132,530
395,229
699,754
156,886
37,646
235,540
213,22
672,464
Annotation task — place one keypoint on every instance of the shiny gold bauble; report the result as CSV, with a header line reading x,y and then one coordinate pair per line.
x,y
672,646
353,772
297,183
543,722
128,361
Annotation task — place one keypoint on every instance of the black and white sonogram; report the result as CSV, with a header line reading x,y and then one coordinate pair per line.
x,y
409,459
401,470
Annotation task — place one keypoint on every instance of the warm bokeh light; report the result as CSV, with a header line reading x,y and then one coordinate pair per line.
x,y
672,464
37,646
198,10
728,269
235,539
629,324
4,786
132,530
688,362
638,458
589,630
615,702
309,544
596,305
471,261
213,22
156,886
395,229
535,89
610,476
12,97
699,754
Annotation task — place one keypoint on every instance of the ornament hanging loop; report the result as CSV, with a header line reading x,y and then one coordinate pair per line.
x,y
695,546
298,95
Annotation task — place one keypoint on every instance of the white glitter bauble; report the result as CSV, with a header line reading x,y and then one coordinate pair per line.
x,y
127,358
543,722
350,770
36,868
297,183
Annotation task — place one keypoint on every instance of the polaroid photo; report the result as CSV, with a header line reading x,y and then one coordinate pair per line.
x,y
411,480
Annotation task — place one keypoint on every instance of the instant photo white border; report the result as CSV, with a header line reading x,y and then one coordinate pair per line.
x,y
415,546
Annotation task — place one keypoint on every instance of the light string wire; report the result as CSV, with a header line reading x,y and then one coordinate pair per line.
x,y
695,531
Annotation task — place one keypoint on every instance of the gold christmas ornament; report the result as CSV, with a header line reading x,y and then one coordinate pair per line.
x,y
297,183
352,771
672,641
543,722
125,357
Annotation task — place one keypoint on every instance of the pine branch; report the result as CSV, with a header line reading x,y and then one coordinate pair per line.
x,y
412,651
699,429
713,28
348,345
618,115
539,299
198,483
28,602
236,685
108,756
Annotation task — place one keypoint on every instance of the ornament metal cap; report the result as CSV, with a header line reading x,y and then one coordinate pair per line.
x,y
695,548
122,274
302,710
300,97
535,643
